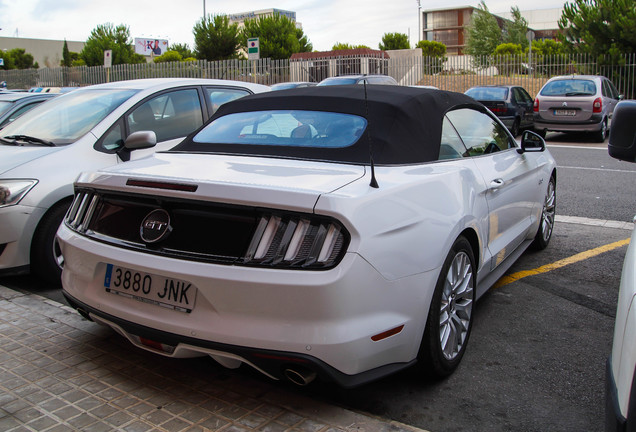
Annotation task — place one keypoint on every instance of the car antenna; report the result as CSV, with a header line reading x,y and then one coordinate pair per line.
x,y
374,182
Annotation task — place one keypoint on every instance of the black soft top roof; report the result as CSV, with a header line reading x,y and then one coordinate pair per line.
x,y
404,123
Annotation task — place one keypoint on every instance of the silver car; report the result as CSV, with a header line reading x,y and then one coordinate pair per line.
x,y
576,103
43,151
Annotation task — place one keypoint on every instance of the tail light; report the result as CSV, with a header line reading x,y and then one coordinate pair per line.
x,y
597,106
536,105
295,241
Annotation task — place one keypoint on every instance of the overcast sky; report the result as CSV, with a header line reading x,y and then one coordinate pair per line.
x,y
325,22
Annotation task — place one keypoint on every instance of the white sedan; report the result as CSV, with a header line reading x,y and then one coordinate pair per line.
x,y
620,380
43,151
335,232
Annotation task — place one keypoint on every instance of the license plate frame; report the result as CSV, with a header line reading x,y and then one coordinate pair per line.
x,y
170,293
564,112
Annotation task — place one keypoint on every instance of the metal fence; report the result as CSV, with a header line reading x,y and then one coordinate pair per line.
x,y
455,73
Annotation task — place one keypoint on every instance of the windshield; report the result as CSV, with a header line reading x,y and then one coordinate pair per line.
x,y
488,93
569,87
66,118
4,106
293,128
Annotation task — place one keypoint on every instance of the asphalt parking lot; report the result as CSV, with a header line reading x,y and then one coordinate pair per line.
x,y
535,361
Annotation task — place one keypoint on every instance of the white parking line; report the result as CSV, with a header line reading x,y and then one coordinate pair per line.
x,y
595,222
596,146
596,169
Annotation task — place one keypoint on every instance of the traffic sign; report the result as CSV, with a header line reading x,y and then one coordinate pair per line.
x,y
108,58
253,49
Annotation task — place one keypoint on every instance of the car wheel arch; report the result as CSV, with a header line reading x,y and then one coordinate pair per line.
x,y
472,237
41,225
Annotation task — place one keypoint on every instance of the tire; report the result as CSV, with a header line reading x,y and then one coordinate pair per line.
x,y
602,134
546,225
450,316
46,257
516,128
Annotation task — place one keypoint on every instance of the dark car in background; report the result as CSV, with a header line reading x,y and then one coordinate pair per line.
x,y
576,103
290,85
14,104
359,79
512,104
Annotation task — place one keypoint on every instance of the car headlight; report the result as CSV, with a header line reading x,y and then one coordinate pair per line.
x,y
12,191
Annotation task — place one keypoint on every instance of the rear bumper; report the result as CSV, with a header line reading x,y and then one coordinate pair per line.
x,y
270,362
591,125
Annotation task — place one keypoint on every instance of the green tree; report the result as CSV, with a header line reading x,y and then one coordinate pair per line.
x,y
107,37
431,48
66,56
506,58
602,28
345,46
547,47
216,39
394,41
434,54
508,49
278,36
18,58
482,35
515,32
168,56
182,49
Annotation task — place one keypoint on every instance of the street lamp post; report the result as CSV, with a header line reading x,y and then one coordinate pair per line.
x,y
419,20
203,10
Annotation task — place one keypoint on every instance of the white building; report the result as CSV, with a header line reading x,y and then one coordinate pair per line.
x,y
239,18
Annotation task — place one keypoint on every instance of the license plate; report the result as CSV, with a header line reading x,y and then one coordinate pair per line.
x,y
564,112
149,288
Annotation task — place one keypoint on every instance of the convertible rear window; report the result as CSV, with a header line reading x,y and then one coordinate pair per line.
x,y
295,128
569,87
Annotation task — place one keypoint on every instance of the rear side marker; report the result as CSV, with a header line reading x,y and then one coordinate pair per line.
x,y
387,333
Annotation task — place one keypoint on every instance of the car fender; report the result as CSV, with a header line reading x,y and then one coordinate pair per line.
x,y
623,349
398,216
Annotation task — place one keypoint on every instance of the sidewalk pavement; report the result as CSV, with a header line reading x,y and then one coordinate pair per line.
x,y
60,372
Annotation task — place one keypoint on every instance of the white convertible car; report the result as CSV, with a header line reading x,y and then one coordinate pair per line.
x,y
339,232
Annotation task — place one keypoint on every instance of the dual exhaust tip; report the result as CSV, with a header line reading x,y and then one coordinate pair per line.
x,y
299,375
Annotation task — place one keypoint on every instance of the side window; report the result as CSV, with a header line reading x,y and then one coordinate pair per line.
x,y
219,96
451,146
516,95
113,140
606,90
169,115
526,96
17,113
615,92
480,133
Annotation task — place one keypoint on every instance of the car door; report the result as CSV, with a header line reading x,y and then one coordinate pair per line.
x,y
610,96
171,115
524,100
511,179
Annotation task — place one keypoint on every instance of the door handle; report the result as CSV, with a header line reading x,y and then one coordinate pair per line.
x,y
496,184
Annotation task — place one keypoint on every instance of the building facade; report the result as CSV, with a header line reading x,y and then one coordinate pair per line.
x,y
448,25
46,52
239,18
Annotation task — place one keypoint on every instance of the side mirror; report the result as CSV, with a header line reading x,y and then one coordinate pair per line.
x,y
622,139
140,140
531,142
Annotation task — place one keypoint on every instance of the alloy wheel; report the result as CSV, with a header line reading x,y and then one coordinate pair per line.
x,y
456,306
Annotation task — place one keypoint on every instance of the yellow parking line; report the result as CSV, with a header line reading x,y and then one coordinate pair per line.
x,y
507,279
